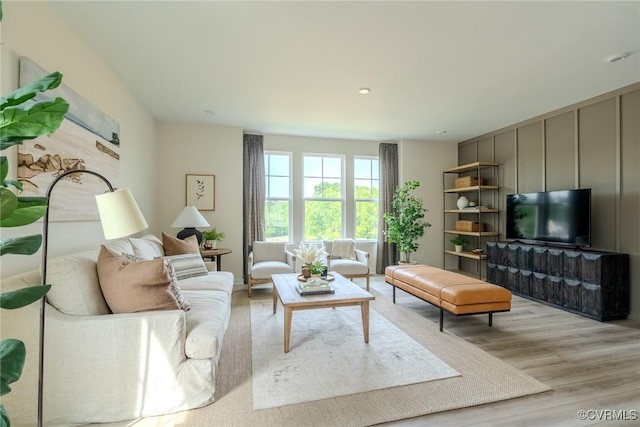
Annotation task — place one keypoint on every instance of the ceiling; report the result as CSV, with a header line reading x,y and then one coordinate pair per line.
x,y
294,68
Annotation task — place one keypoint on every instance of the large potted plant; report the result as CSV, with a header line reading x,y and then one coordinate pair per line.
x,y
21,118
406,224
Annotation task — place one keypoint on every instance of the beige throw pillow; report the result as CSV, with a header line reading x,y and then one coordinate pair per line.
x,y
174,246
129,286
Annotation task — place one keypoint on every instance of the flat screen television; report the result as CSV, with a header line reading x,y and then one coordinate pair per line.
x,y
550,217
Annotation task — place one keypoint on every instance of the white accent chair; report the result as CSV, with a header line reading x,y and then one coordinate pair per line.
x,y
265,259
345,259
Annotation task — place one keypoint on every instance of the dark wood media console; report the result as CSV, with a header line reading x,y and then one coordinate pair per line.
x,y
594,284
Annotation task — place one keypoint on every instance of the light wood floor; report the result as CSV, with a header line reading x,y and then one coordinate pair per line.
x,y
590,365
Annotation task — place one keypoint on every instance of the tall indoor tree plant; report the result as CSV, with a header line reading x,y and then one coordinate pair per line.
x,y
22,118
406,224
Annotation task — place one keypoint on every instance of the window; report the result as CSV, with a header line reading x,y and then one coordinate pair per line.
x,y
277,209
366,177
323,197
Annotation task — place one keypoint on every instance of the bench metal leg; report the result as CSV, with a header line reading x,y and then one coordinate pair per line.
x,y
441,319
490,319
394,294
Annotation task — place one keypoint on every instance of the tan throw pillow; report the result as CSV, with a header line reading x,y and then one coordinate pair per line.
x,y
174,246
129,286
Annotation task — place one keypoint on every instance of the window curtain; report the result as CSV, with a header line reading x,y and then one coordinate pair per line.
x,y
253,189
388,156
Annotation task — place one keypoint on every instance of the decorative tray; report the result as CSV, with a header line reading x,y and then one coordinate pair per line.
x,y
328,278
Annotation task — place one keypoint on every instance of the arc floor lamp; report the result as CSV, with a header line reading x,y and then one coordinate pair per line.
x,y
120,216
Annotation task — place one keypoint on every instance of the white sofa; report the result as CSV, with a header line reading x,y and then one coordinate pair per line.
x,y
103,367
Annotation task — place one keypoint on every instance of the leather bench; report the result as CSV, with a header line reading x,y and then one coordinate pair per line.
x,y
456,293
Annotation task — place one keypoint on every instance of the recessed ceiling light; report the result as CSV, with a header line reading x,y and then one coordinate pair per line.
x,y
441,132
364,90
617,57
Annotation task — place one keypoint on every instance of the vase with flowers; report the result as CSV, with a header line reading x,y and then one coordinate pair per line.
x,y
311,256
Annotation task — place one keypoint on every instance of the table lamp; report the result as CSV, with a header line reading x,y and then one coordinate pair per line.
x,y
189,219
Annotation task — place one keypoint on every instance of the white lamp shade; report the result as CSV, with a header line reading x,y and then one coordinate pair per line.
x,y
120,214
190,217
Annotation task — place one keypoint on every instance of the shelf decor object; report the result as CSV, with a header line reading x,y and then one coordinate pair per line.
x,y
462,202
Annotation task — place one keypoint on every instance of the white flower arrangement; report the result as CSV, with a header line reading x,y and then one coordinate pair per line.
x,y
310,254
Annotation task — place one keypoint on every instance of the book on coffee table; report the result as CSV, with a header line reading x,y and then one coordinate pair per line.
x,y
314,290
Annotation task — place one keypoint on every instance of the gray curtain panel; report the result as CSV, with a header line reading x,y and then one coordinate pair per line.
x,y
388,156
253,193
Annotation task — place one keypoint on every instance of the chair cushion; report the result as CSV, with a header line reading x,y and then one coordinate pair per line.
x,y
264,269
348,267
174,246
129,286
75,286
269,251
146,247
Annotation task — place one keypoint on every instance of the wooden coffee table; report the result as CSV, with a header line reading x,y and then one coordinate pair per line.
x,y
347,293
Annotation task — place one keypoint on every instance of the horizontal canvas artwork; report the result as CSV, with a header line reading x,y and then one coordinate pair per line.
x,y
86,140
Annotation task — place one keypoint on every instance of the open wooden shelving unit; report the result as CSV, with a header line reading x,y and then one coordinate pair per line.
x,y
478,238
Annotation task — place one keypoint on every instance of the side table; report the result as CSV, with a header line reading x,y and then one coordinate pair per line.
x,y
215,255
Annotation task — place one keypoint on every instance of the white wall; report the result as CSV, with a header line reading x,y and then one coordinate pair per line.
x,y
187,148
31,29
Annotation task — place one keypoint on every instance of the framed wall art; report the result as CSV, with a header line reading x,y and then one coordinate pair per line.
x,y
87,139
201,192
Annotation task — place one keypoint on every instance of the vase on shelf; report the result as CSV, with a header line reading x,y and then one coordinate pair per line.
x,y
462,202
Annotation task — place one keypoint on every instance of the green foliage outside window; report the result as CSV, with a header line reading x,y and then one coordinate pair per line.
x,y
277,220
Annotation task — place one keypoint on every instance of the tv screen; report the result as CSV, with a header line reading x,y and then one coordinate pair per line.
x,y
555,217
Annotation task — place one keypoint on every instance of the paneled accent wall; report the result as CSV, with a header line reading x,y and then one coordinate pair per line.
x,y
594,144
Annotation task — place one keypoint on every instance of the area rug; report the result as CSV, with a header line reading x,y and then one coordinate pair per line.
x,y
483,379
329,358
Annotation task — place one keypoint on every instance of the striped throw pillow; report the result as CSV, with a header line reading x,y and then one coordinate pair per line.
x,y
188,265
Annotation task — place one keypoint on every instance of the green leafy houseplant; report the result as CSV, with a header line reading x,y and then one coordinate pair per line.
x,y
21,119
405,224
213,234
459,240
316,268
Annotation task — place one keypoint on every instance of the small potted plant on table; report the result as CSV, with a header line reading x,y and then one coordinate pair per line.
x,y
212,237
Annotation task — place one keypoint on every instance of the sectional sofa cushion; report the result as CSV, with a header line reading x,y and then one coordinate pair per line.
x,y
174,246
129,286
75,288
147,247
